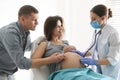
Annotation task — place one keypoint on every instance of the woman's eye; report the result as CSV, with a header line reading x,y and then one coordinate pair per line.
x,y
93,19
57,26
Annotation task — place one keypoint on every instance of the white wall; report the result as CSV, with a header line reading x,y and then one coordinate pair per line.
x,y
74,12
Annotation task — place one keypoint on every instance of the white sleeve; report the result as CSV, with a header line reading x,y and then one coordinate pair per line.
x,y
114,49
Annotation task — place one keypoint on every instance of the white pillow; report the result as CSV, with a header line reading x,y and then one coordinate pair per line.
x,y
42,72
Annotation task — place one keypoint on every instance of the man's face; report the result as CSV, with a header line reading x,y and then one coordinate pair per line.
x,y
30,22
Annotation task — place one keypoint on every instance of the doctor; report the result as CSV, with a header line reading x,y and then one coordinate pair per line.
x,y
106,44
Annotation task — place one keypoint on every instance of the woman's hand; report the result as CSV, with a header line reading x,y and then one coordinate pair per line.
x,y
78,52
68,48
56,57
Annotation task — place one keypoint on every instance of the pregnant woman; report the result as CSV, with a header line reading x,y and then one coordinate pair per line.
x,y
69,67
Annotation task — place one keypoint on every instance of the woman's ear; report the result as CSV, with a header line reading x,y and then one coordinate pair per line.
x,y
104,17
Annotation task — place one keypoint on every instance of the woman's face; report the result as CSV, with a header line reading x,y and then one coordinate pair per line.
x,y
95,17
58,31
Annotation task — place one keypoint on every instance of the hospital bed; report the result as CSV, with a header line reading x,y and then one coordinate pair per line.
x,y
42,73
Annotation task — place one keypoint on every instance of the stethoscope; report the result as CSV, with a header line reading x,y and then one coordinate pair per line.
x,y
95,40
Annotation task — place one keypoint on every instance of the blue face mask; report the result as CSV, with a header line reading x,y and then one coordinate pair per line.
x,y
95,24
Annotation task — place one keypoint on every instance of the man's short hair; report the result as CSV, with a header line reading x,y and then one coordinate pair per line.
x,y
26,10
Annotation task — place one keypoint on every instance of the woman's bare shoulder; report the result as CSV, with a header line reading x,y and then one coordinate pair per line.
x,y
43,43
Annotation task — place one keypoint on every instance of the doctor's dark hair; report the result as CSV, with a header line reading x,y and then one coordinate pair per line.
x,y
26,10
50,24
101,10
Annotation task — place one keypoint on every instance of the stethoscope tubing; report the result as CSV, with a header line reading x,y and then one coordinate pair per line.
x,y
99,32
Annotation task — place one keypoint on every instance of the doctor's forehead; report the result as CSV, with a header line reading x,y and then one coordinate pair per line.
x,y
93,16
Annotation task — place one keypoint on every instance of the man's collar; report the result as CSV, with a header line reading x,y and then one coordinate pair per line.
x,y
22,30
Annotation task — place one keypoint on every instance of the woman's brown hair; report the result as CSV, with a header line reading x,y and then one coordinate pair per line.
x,y
102,10
50,24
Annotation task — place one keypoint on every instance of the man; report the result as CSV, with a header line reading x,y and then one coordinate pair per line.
x,y
15,39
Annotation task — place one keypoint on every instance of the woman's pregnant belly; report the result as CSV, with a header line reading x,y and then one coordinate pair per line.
x,y
72,60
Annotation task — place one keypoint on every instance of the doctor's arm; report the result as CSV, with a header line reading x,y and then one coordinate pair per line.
x,y
113,55
91,61
114,48
103,62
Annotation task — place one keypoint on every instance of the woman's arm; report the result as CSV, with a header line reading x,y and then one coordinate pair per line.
x,y
54,58
37,59
40,50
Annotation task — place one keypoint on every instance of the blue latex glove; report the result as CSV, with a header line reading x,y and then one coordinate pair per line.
x,y
89,61
78,52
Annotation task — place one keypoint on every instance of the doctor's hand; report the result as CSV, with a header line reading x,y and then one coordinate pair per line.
x,y
89,61
78,52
